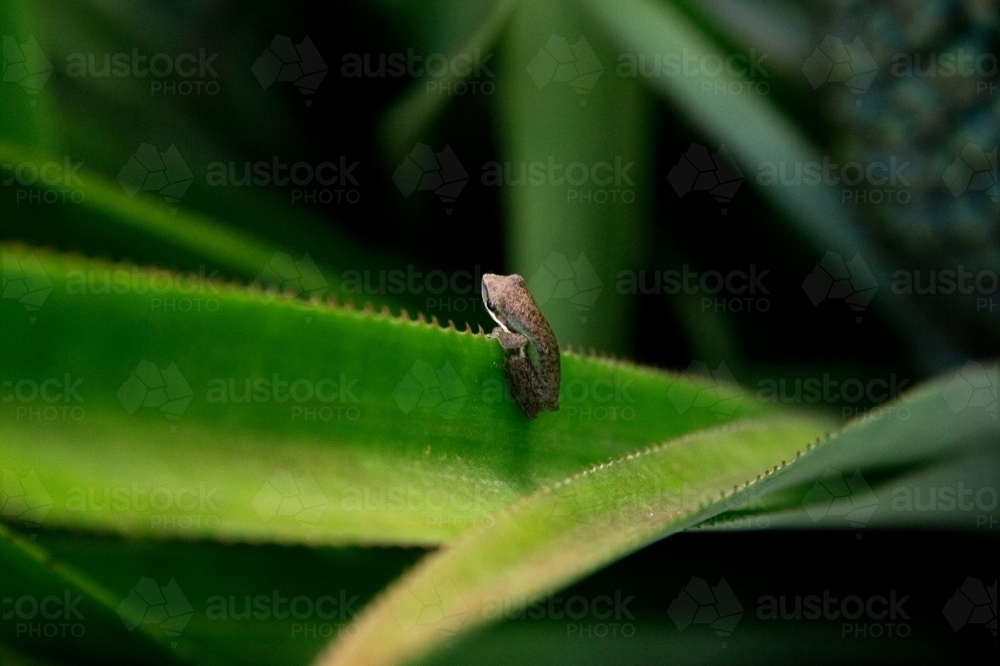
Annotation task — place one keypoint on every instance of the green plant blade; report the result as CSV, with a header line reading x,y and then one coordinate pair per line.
x,y
226,248
152,404
404,124
230,604
77,606
574,172
566,530
25,95
930,459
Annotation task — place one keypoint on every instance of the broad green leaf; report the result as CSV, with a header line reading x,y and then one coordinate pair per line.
x,y
196,233
86,609
156,404
928,460
566,530
251,237
298,597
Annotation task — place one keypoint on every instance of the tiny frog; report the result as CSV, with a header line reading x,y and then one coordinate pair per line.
x,y
531,351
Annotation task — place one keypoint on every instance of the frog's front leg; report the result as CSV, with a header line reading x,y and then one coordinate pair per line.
x,y
509,340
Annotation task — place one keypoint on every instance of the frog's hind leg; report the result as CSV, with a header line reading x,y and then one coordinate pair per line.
x,y
522,383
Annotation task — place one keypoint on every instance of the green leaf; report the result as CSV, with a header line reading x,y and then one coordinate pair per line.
x,y
214,623
199,410
228,247
569,529
25,88
928,460
576,165
478,26
566,530
86,608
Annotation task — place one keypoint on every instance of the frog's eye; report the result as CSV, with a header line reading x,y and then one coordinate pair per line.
x,y
489,305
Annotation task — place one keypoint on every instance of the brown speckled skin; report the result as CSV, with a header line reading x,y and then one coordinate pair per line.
x,y
531,351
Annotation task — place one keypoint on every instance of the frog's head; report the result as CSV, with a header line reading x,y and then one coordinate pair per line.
x,y
500,294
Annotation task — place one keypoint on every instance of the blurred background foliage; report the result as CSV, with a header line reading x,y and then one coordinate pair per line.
x,y
650,122
378,121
